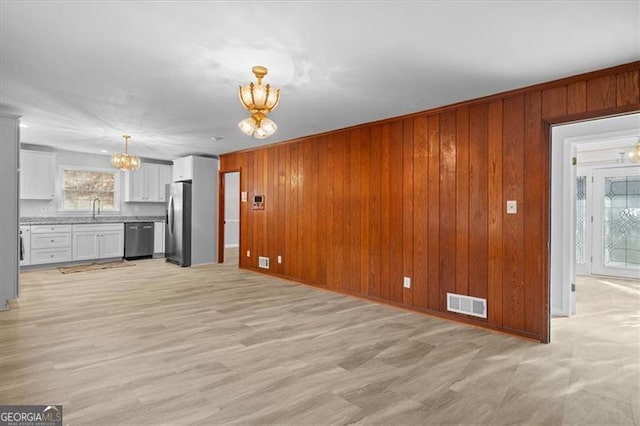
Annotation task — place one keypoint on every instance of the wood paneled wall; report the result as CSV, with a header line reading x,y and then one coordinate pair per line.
x,y
424,196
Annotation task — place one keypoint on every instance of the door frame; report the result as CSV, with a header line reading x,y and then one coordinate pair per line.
x,y
221,210
553,249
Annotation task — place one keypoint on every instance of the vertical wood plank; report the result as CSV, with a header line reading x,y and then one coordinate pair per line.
x,y
385,212
462,201
331,211
321,151
365,189
495,201
535,237
478,201
433,267
421,211
294,254
554,102
281,208
513,224
602,93
448,210
375,211
407,209
396,214
337,227
309,205
354,211
577,97
628,88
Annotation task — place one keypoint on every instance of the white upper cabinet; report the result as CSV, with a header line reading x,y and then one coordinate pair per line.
x,y
183,169
146,184
37,175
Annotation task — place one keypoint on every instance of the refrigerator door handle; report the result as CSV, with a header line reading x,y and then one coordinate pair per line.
x,y
21,247
170,215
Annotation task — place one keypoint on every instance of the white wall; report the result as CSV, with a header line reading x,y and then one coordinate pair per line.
x,y
40,208
232,209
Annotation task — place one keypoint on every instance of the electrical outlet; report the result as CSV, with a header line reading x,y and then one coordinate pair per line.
x,y
248,253
406,282
512,207
279,259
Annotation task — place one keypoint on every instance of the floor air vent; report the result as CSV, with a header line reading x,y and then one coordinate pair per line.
x,y
263,262
467,305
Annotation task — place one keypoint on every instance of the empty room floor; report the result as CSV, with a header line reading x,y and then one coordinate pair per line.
x,y
159,344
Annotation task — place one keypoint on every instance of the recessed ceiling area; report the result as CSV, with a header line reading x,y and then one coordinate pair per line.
x,y
83,73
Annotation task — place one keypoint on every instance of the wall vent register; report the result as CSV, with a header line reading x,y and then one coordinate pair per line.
x,y
468,305
263,262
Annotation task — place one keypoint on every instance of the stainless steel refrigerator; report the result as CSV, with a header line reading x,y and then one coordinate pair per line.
x,y
178,223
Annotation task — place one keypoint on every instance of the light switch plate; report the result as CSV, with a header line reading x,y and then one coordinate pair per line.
x,y
243,196
512,207
406,282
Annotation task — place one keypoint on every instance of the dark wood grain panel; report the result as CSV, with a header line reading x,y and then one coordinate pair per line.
x,y
602,93
354,211
628,88
337,225
375,211
331,212
577,97
385,212
293,254
365,212
513,293
321,193
535,238
407,209
478,200
310,214
554,102
462,201
420,211
272,209
433,267
495,206
281,211
396,214
447,205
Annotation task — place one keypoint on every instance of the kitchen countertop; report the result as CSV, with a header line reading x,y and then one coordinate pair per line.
x,y
87,219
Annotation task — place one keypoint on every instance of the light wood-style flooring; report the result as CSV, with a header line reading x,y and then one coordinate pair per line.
x,y
160,344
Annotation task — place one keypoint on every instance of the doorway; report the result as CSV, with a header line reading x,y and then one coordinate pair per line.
x,y
230,189
592,180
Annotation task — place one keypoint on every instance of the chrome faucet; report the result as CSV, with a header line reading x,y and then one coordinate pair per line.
x,y
93,207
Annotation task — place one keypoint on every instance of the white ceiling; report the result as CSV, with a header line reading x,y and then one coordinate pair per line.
x,y
83,73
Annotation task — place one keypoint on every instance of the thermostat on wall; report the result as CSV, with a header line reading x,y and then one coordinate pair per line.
x,y
258,202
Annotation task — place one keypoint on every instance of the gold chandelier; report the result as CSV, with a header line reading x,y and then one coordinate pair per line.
x,y
124,161
634,154
259,100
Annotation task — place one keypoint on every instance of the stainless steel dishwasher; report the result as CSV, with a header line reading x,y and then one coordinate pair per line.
x,y
138,240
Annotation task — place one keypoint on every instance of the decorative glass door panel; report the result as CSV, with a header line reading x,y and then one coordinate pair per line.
x,y
616,222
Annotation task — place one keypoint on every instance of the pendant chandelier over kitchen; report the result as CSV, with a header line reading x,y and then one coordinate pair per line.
x,y
124,161
634,154
259,100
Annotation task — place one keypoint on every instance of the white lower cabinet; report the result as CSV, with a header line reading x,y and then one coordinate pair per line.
x,y
50,244
98,241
